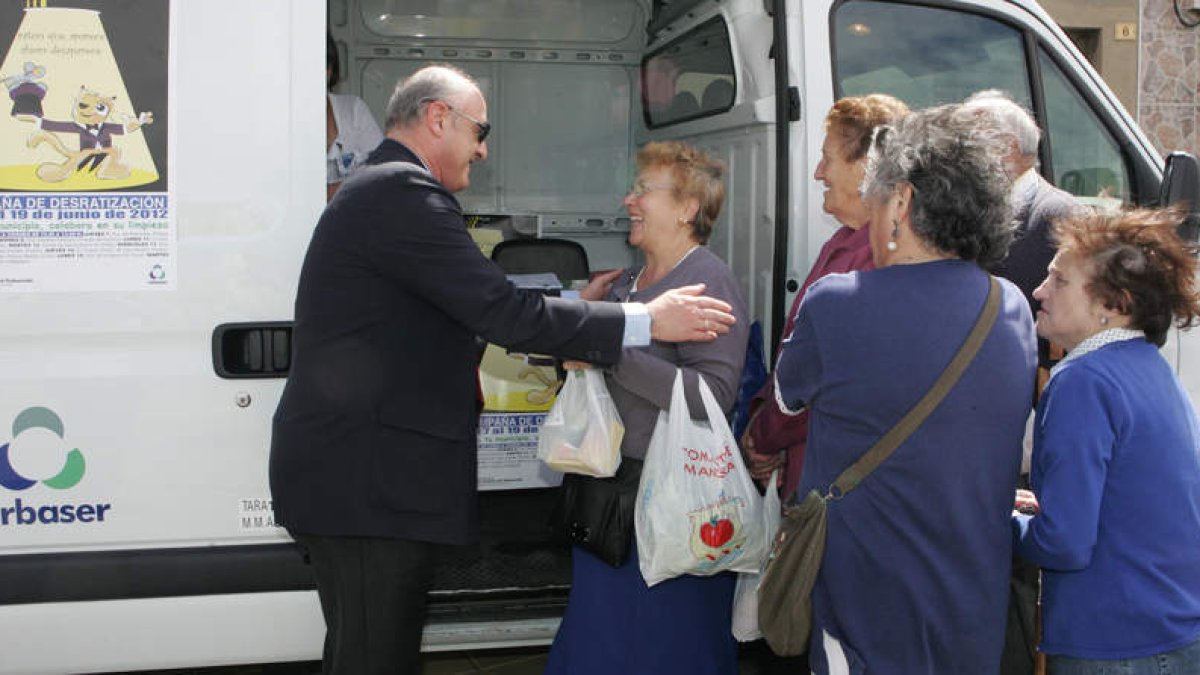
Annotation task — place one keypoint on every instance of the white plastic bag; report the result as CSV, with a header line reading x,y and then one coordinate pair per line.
x,y
698,511
583,431
745,595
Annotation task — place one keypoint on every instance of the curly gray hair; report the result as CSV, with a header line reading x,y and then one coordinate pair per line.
x,y
952,158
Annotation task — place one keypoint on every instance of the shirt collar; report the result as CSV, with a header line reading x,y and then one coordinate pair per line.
x,y
847,237
1091,344
1024,186
420,159
858,237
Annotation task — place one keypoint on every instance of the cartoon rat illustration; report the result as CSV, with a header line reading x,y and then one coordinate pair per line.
x,y
90,124
26,92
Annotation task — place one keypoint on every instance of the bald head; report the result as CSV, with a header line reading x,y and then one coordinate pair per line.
x,y
431,83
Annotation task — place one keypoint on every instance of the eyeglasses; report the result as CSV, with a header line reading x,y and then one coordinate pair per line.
x,y
639,189
482,129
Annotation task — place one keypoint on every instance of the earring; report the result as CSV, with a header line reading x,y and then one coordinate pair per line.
x,y
1104,321
891,245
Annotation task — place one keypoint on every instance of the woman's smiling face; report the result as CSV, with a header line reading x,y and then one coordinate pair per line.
x,y
653,210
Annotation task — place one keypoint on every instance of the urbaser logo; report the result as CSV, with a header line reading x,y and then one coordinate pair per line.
x,y
40,418
34,425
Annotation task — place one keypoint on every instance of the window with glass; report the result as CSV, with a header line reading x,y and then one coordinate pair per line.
x,y
1088,161
933,55
689,78
925,55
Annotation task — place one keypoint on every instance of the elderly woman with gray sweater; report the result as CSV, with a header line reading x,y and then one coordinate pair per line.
x,y
614,623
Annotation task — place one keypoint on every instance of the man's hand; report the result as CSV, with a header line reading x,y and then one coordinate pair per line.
x,y
597,288
684,315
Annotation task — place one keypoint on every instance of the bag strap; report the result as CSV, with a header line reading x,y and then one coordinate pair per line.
x,y
884,447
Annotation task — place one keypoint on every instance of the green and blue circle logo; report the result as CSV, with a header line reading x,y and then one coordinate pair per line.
x,y
38,421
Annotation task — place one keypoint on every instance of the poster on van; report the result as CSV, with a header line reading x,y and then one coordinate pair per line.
x,y
84,199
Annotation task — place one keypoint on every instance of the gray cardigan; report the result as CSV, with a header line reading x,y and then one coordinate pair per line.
x,y
640,384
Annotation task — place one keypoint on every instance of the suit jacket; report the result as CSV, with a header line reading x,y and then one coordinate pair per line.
x,y
375,434
1032,249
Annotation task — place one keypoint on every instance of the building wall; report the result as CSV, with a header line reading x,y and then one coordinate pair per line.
x,y
1117,59
1169,104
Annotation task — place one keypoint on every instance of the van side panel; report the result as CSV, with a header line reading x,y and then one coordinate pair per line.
x,y
169,457
130,374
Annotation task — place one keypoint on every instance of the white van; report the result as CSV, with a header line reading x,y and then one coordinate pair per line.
x,y
144,324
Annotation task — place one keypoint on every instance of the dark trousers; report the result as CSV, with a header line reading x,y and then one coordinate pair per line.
x,y
1021,638
373,595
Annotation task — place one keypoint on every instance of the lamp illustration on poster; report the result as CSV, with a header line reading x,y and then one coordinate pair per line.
x,y
72,125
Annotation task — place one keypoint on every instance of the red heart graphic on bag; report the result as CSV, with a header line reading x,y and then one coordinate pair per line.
x,y
716,532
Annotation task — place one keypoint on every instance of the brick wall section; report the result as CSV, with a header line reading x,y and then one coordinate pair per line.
x,y
1169,101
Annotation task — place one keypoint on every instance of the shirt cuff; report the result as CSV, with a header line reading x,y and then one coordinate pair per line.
x,y
1020,525
637,325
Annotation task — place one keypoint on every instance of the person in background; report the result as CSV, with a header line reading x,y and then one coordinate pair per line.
x,y
1116,458
772,438
614,623
1036,205
914,578
351,132
373,446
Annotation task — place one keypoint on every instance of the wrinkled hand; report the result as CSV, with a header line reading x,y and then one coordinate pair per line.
x,y
684,315
598,287
761,465
1026,503
576,365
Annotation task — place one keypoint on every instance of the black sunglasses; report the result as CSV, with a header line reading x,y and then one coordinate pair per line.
x,y
482,129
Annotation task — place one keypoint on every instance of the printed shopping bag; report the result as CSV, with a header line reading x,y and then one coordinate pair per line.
x,y
745,595
698,511
583,431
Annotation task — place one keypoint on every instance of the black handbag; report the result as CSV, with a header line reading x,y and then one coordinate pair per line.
x,y
596,514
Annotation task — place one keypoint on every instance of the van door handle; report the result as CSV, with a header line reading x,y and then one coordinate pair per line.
x,y
252,350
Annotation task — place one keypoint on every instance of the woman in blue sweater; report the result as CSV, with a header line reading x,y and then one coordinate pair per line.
x,y
915,573
1116,467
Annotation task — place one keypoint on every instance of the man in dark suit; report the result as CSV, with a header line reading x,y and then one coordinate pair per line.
x,y
373,452
1036,205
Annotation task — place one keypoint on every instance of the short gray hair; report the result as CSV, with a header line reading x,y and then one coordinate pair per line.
x,y
1012,118
960,194
438,82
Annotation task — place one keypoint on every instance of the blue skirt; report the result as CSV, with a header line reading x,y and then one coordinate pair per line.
x,y
614,623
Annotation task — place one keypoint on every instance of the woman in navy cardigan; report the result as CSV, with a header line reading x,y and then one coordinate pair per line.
x,y
1116,467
